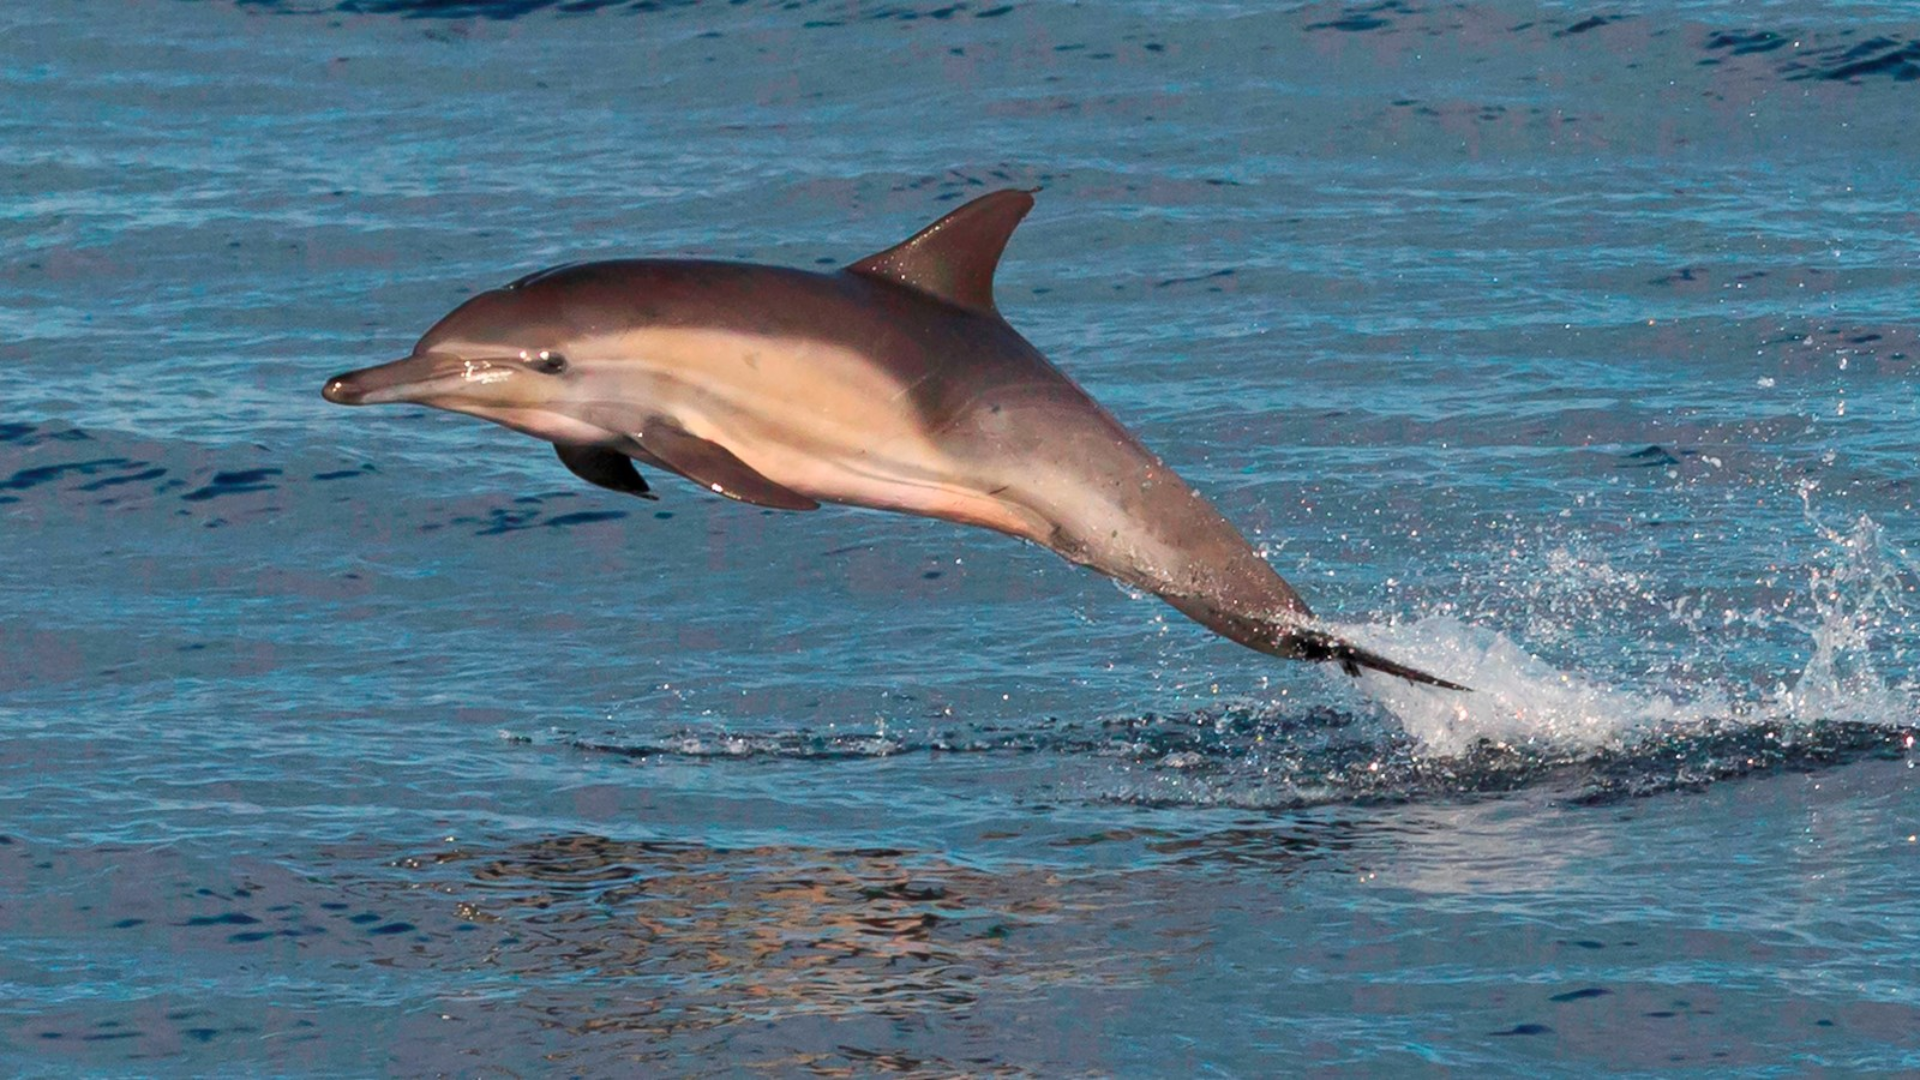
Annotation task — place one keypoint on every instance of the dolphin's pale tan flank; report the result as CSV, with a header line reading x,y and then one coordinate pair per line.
x,y
892,384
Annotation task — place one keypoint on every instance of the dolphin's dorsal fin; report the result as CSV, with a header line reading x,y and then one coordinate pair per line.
x,y
953,259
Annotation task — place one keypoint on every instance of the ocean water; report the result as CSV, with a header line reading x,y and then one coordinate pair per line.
x,y
1568,352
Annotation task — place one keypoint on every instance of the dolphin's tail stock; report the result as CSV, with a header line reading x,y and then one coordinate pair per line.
x,y
1294,641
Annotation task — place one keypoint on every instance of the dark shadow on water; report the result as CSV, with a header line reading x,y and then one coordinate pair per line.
x,y
1268,758
1794,52
503,10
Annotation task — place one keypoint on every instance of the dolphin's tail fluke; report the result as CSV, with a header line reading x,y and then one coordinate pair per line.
x,y
1319,645
1295,641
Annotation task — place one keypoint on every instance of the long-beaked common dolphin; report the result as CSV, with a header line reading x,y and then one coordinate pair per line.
x,y
892,384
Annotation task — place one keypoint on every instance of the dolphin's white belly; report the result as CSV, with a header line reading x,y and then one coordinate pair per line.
x,y
817,418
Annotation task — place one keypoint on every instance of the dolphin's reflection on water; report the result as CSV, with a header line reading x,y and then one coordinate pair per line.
x,y
686,937
602,953
790,958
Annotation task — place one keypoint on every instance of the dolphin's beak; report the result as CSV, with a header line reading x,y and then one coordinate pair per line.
x,y
414,378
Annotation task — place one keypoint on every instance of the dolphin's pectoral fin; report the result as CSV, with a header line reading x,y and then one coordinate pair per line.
x,y
607,468
714,467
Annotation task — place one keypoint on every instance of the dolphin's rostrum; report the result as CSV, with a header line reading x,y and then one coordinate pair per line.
x,y
892,384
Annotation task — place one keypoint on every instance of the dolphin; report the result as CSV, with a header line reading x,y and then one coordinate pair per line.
x,y
892,384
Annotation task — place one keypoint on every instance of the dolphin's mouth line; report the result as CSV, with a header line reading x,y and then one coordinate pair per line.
x,y
416,379
343,391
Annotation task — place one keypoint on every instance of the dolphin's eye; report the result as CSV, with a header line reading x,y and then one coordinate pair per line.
x,y
547,362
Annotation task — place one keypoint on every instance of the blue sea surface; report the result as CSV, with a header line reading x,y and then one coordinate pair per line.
x,y
1569,352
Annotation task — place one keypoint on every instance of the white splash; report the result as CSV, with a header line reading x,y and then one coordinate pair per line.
x,y
1858,593
1517,698
1858,611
